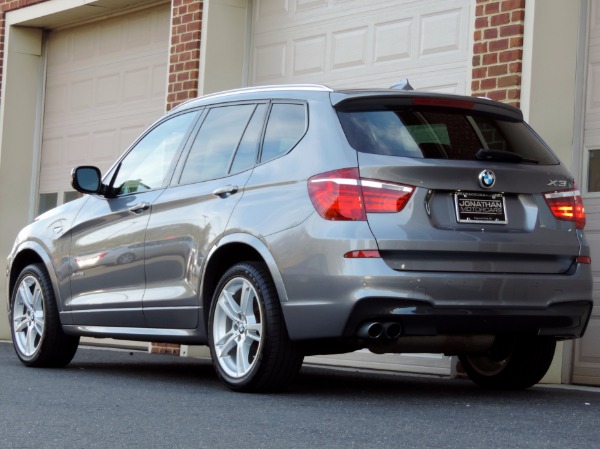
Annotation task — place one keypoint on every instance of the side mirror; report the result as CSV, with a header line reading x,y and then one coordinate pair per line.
x,y
86,179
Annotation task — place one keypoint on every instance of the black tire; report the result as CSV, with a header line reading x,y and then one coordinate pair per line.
x,y
511,363
250,347
37,334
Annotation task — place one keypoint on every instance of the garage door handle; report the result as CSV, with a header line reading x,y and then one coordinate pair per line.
x,y
225,191
139,208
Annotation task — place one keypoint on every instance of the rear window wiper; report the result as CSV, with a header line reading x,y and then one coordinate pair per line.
x,y
502,156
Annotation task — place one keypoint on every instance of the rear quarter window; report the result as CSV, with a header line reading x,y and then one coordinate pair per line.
x,y
285,128
440,134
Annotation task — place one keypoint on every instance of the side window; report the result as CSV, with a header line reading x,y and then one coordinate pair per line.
x,y
287,125
146,166
216,142
245,156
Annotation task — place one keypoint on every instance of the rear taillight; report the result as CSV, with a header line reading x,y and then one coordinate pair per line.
x,y
343,195
567,205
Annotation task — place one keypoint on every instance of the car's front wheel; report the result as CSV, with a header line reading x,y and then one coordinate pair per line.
x,y
37,334
512,363
248,339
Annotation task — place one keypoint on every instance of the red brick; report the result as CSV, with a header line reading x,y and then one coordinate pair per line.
x,y
490,59
510,56
498,95
510,5
476,61
492,8
498,45
509,81
500,19
189,46
512,30
498,70
516,42
488,83
490,33
481,22
475,86
191,85
517,16
196,25
515,67
479,73
513,94
480,48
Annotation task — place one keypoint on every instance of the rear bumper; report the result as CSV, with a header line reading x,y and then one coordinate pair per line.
x,y
561,320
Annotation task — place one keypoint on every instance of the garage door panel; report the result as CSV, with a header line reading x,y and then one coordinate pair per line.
x,y
105,83
358,42
441,33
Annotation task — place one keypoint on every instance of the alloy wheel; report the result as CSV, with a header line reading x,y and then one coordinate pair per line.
x,y
237,327
28,316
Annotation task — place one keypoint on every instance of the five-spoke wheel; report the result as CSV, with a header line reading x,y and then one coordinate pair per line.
x,y
247,335
28,316
237,327
37,334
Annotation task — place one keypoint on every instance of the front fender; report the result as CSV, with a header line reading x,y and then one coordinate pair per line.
x,y
28,252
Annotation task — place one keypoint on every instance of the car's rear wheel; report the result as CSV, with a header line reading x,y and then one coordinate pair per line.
x,y
248,339
512,363
37,334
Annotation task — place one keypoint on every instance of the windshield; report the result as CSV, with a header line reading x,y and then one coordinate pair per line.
x,y
442,134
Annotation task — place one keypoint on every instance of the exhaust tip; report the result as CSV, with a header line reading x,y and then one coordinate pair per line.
x,y
392,330
371,330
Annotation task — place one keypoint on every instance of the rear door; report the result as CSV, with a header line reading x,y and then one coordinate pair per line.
x,y
479,178
192,214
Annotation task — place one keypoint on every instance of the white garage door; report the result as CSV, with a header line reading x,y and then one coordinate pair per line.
x,y
361,43
364,43
105,82
587,350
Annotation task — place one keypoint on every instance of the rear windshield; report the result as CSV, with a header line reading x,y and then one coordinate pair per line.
x,y
442,134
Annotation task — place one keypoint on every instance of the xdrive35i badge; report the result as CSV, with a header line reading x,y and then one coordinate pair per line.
x,y
487,178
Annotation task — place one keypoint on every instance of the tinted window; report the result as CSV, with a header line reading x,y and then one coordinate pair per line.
x,y
245,156
216,142
287,124
439,135
147,164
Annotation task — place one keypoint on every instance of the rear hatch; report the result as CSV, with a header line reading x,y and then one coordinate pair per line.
x,y
488,196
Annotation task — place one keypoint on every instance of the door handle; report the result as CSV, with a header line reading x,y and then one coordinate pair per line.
x,y
225,191
139,208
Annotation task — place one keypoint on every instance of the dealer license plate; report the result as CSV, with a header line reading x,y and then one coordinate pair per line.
x,y
480,207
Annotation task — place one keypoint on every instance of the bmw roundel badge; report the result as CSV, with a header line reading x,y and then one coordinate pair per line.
x,y
487,178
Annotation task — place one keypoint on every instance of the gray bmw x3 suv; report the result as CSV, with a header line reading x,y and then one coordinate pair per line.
x,y
272,223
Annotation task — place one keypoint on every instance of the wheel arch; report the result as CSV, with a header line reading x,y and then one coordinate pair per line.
x,y
230,250
31,253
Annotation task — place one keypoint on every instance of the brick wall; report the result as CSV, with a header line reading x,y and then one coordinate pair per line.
x,y
498,50
184,61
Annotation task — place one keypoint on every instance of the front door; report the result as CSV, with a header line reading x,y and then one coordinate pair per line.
x,y
107,254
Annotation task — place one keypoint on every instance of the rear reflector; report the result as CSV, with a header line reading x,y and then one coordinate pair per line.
x,y
363,254
584,259
567,205
343,195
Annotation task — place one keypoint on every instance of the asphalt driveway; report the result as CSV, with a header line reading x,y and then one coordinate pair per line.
x,y
118,399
